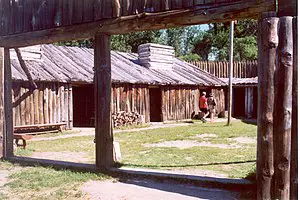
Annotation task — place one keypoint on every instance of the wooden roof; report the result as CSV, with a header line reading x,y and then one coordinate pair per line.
x,y
74,64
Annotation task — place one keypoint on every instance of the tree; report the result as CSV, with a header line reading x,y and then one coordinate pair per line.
x,y
215,41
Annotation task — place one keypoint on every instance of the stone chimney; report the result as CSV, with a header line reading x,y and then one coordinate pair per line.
x,y
156,56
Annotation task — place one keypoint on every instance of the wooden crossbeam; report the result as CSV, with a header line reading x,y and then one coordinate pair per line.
x,y
142,22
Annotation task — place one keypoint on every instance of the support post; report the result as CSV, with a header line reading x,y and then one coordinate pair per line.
x,y
267,45
230,73
102,82
8,114
294,148
283,109
1,102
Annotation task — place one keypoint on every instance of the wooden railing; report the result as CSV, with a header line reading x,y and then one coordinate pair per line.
x,y
243,69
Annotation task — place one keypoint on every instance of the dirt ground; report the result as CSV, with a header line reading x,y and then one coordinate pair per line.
x,y
145,189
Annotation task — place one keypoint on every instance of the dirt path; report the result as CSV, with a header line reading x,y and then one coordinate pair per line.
x,y
91,131
145,189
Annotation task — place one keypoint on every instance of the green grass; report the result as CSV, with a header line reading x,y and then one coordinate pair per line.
x,y
47,135
46,183
135,154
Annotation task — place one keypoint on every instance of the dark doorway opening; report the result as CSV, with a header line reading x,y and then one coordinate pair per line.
x,y
83,106
155,105
238,102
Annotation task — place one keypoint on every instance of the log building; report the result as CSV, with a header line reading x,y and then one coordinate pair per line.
x,y
157,89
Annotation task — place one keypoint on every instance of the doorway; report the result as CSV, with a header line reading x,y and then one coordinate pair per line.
x,y
83,106
155,105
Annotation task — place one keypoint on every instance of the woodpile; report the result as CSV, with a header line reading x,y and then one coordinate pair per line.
x,y
123,118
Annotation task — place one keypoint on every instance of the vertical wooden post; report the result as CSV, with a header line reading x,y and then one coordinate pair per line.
x,y
1,101
267,45
8,114
102,81
294,148
230,73
70,107
283,109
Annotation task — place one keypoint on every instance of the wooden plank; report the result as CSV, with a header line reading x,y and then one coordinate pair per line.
x,y
78,6
88,11
237,10
41,104
66,104
294,147
36,106
46,104
283,109
287,8
17,105
31,110
8,117
27,107
62,103
58,106
70,106
50,102
1,99
67,13
268,43
54,105
103,127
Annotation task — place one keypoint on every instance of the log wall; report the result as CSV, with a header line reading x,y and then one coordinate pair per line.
x,y
243,69
49,103
219,96
179,102
131,98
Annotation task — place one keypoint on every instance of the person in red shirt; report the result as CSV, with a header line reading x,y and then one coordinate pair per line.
x,y
203,105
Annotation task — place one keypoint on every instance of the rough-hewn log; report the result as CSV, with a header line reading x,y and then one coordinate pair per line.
x,y
268,43
1,101
294,148
283,109
70,107
102,81
230,75
143,21
8,119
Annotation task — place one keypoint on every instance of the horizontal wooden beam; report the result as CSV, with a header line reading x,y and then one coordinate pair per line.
x,y
141,22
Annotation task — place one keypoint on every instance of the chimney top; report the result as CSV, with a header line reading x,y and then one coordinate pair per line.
x,y
156,56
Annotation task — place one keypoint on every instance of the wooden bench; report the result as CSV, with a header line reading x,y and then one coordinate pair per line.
x,y
39,128
25,132
23,137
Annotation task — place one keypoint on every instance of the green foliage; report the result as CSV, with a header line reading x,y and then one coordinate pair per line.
x,y
215,41
190,57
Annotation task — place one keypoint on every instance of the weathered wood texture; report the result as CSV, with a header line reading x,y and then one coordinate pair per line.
x,y
1,100
294,148
242,69
102,82
283,109
53,21
131,98
268,43
178,103
42,105
8,113
287,8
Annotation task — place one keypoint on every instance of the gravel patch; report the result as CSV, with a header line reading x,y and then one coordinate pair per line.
x,y
185,144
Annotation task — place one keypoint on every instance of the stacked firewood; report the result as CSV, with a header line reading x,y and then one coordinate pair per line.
x,y
123,118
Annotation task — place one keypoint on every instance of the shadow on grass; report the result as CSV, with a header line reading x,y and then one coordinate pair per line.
x,y
193,165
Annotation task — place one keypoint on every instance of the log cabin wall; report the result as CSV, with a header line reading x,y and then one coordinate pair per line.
x,y
178,102
219,95
49,103
131,98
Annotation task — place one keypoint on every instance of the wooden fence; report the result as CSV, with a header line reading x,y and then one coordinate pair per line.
x,y
243,69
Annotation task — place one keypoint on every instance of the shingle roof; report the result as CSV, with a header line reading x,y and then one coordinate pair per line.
x,y
74,64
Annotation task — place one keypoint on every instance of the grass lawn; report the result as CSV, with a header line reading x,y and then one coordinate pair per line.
x,y
30,183
236,159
